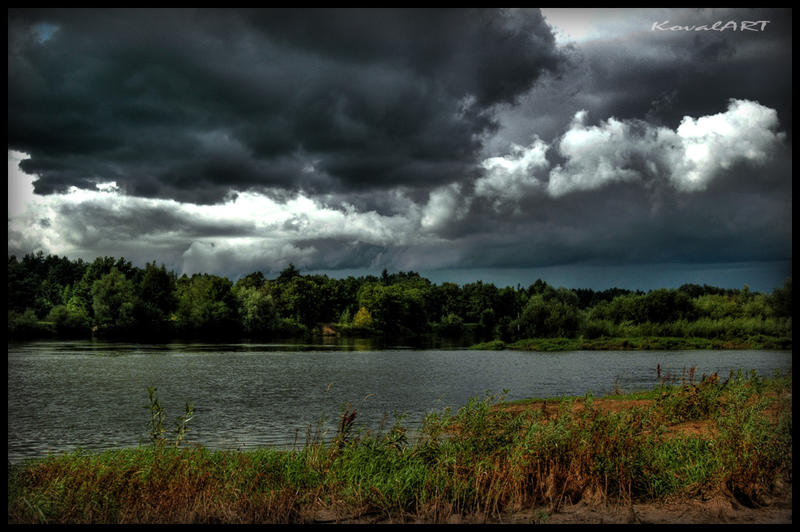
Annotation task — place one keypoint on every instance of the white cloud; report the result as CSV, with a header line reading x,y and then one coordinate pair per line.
x,y
444,204
20,184
511,176
745,132
596,156
687,158
111,186
249,228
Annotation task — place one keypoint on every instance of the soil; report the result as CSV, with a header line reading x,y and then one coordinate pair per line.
x,y
718,510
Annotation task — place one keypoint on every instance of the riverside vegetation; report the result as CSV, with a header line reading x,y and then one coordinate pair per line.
x,y
51,296
688,438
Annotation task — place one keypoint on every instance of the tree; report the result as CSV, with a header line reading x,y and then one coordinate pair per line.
x,y
487,323
362,319
300,298
21,286
550,313
663,306
478,296
255,280
69,320
288,273
24,325
112,300
256,310
101,266
451,325
781,299
396,310
206,305
155,296
448,297
625,308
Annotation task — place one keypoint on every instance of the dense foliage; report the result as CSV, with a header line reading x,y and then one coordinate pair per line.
x,y
50,295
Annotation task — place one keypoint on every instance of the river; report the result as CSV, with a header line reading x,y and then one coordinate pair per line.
x,y
93,395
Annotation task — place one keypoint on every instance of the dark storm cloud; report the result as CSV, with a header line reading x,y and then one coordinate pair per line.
x,y
647,80
629,71
420,139
736,219
694,69
188,104
341,254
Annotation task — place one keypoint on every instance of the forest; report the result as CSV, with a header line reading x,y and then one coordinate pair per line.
x,y
55,297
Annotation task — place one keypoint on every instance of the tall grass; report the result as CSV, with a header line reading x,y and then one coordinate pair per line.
x,y
483,460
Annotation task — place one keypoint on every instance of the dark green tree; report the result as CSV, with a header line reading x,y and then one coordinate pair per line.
x,y
781,299
451,325
155,298
257,311
113,300
550,313
206,306
396,310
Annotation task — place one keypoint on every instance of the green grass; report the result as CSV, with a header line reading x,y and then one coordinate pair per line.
x,y
481,460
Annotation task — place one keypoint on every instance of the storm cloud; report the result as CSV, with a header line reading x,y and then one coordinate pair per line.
x,y
230,141
192,104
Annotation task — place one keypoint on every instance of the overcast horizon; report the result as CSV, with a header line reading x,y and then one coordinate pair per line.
x,y
591,148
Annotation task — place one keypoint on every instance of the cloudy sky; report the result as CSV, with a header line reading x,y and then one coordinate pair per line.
x,y
591,148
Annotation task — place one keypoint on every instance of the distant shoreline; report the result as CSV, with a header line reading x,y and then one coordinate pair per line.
x,y
645,343
634,343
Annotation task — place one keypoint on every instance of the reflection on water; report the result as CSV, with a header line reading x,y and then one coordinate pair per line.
x,y
93,395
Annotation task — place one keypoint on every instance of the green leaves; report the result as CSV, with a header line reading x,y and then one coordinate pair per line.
x,y
257,311
158,416
550,314
205,304
113,300
113,297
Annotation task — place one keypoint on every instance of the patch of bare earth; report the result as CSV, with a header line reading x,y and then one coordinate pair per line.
x,y
717,510
713,511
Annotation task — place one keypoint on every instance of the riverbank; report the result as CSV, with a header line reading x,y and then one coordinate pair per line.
x,y
723,444
665,343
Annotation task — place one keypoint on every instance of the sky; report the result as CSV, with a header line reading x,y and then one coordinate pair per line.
x,y
591,148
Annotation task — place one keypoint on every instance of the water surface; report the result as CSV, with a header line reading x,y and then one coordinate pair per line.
x,y
93,395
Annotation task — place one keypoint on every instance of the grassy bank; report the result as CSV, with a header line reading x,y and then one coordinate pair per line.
x,y
666,343
488,459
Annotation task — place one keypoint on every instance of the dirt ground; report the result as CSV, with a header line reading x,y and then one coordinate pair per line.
x,y
718,510
715,511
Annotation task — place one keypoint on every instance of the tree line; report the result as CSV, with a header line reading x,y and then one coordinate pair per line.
x,y
50,295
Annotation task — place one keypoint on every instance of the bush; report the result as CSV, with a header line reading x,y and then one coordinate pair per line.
x,y
451,325
25,325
